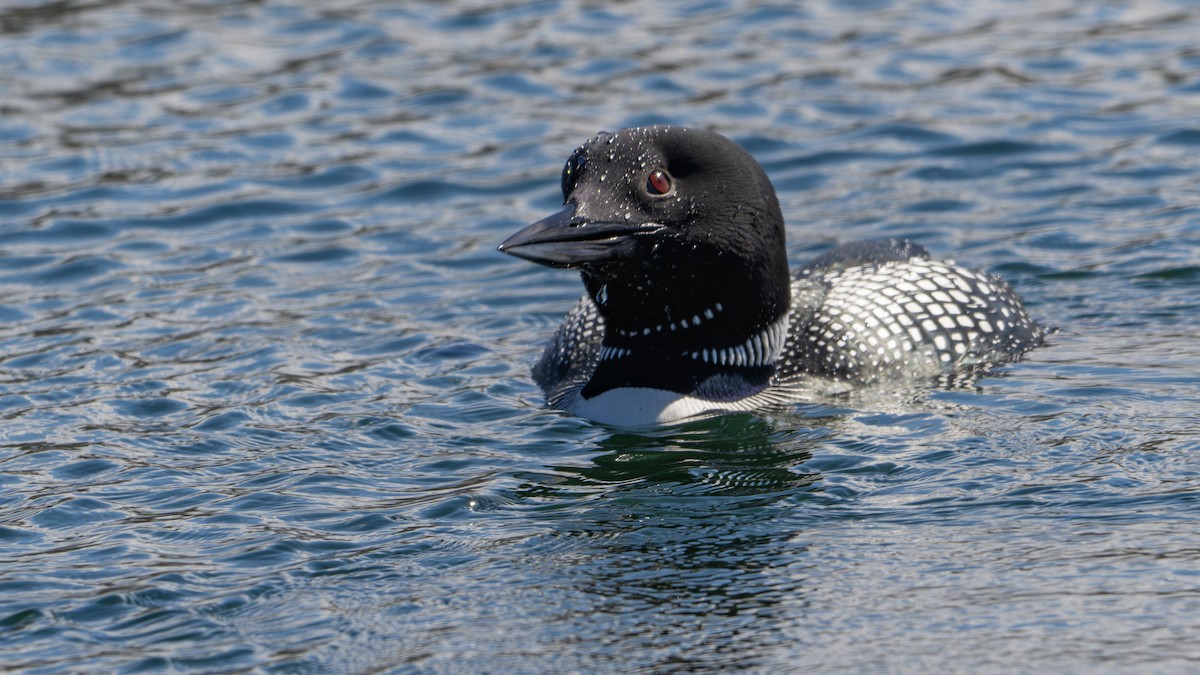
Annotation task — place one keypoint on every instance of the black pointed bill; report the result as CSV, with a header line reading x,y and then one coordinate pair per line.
x,y
567,240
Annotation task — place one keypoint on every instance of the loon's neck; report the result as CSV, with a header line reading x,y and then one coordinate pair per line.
x,y
702,355
691,319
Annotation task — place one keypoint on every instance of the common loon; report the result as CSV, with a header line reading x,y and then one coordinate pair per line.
x,y
690,306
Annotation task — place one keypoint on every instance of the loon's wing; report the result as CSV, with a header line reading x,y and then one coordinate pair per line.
x,y
904,319
572,354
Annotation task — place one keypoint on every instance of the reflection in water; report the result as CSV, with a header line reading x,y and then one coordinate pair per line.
x,y
680,529
733,454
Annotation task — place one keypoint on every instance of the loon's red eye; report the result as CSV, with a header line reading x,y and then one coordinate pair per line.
x,y
658,182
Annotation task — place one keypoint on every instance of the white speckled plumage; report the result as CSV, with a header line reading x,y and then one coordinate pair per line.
x,y
858,326
905,320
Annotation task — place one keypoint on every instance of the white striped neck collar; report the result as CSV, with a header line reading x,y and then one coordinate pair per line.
x,y
760,349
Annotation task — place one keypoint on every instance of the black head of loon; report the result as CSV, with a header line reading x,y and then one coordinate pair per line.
x,y
690,306
670,228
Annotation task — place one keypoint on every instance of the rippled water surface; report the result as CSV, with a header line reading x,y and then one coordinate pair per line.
x,y
264,379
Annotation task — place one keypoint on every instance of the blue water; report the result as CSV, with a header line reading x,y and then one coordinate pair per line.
x,y
264,381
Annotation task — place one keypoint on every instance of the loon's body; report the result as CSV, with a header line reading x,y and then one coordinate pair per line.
x,y
691,308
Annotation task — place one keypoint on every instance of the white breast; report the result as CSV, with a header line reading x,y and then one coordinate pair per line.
x,y
642,406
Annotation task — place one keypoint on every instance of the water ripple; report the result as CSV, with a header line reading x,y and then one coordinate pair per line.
x,y
264,380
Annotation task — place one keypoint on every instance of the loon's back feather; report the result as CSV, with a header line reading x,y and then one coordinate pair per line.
x,y
905,320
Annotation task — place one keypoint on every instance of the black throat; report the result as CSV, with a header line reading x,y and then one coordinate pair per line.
x,y
708,330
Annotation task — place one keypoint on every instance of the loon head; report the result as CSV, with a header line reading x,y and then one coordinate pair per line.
x,y
671,228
